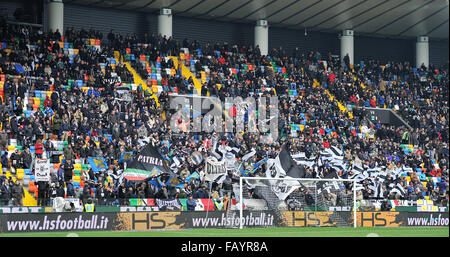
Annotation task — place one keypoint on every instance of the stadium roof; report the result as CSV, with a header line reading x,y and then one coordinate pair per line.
x,y
392,18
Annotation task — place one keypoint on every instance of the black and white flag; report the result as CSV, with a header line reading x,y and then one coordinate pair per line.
x,y
230,161
283,188
215,170
301,159
197,158
215,151
379,191
398,189
332,153
328,185
283,166
248,155
176,162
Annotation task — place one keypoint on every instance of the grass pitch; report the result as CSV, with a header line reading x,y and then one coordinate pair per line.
x,y
256,232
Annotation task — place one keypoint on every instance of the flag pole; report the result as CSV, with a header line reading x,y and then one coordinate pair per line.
x,y
315,204
209,199
241,202
354,203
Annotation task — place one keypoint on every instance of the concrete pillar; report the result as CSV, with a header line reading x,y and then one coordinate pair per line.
x,y
347,45
262,36
422,52
56,16
165,22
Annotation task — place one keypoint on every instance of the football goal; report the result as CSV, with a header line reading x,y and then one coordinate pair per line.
x,y
298,202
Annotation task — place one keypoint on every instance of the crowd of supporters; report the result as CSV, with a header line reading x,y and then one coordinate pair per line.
x,y
95,123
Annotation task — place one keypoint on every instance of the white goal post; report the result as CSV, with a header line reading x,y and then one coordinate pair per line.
x,y
300,180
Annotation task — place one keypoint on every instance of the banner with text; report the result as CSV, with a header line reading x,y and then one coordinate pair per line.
x,y
42,170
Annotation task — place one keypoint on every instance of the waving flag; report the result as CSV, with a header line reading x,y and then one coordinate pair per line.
x,y
148,163
258,164
214,169
246,173
125,157
156,183
175,182
194,175
249,155
197,158
97,163
283,166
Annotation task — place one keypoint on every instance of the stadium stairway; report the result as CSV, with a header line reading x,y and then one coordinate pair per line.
x,y
29,199
187,73
189,61
136,77
340,105
22,175
333,98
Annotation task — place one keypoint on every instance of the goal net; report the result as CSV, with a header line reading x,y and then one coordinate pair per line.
x,y
298,202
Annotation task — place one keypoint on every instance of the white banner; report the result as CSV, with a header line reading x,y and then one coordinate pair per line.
x,y
42,170
230,161
169,204
214,169
274,169
58,144
63,205
283,188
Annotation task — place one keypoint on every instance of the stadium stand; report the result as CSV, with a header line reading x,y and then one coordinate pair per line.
x,y
79,96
